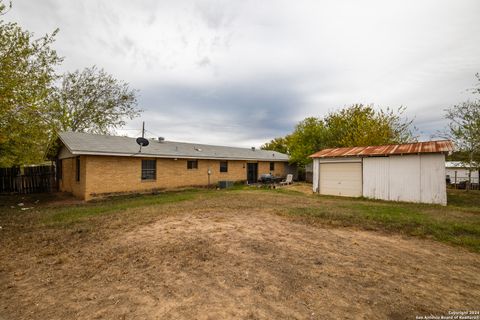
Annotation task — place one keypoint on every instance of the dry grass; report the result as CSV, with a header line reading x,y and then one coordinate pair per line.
x,y
248,254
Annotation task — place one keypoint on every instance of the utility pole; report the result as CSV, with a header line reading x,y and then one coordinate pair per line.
x,y
143,129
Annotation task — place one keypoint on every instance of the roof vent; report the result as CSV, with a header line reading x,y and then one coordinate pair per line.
x,y
253,148
161,139
197,149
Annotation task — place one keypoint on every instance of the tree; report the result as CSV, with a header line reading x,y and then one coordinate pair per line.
x,y
464,130
93,101
33,109
309,136
26,81
280,144
362,125
357,125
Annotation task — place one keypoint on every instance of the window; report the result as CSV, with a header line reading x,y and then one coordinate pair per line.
x,y
192,164
149,169
272,166
77,167
223,166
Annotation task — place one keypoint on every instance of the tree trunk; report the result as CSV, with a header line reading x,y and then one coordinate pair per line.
x,y
469,182
470,165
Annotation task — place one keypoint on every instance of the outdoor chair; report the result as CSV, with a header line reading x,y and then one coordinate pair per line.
x,y
288,180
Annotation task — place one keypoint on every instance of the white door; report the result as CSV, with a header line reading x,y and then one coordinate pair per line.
x,y
341,179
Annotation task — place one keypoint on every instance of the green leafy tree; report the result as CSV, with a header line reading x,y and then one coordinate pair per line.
x,y
464,130
362,125
280,144
26,81
34,108
93,101
309,136
357,125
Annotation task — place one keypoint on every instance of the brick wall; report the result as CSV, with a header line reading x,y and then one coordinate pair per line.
x,y
101,175
279,168
68,181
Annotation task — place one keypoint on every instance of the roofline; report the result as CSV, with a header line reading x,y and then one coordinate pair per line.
x,y
64,144
379,154
150,155
376,155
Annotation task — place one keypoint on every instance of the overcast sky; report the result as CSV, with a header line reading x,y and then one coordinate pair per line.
x,y
242,72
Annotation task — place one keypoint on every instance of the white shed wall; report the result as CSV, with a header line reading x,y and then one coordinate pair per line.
x,y
316,172
376,178
404,180
433,187
411,178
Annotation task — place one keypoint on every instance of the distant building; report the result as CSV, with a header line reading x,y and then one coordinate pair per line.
x,y
457,172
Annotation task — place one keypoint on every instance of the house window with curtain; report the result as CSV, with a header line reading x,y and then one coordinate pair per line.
x,y
192,164
149,169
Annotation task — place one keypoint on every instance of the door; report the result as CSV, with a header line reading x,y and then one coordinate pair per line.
x,y
341,179
252,172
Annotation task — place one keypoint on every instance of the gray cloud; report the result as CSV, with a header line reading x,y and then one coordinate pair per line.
x,y
233,111
240,73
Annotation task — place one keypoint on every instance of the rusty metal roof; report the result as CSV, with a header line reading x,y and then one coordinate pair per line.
x,y
408,148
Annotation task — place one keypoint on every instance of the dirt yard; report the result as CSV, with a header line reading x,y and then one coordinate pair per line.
x,y
223,256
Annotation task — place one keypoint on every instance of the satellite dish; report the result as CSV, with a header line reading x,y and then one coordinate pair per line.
x,y
142,142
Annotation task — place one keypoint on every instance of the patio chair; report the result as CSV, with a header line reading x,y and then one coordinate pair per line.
x,y
288,180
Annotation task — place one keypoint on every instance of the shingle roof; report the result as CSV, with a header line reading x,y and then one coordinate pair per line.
x,y
407,148
95,144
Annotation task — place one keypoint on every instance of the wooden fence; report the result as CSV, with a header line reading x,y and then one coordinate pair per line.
x,y
27,180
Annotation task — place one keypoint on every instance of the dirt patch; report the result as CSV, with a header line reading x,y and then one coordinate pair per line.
x,y
38,200
223,261
302,187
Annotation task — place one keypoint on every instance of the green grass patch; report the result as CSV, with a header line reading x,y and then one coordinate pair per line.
x,y
464,199
457,224
71,214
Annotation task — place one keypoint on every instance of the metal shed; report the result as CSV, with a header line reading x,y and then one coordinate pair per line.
x,y
413,172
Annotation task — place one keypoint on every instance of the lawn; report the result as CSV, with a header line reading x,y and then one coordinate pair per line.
x,y
458,223
244,253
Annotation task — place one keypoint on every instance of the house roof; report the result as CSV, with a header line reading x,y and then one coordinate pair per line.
x,y
393,149
95,144
458,164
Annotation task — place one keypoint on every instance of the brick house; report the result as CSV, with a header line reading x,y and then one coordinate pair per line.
x,y
92,165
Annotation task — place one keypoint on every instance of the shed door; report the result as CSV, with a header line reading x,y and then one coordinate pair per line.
x,y
341,179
